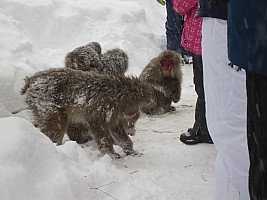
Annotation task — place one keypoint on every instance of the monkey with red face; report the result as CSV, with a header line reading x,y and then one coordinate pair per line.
x,y
164,74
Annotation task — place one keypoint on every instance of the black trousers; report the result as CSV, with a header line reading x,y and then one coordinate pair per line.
x,y
200,111
257,135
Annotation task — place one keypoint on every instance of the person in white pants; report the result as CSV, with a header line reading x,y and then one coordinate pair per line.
x,y
226,112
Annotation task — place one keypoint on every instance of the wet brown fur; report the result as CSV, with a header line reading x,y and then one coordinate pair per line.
x,y
89,58
168,83
85,57
100,102
115,61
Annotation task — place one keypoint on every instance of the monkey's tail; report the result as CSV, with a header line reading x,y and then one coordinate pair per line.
x,y
26,86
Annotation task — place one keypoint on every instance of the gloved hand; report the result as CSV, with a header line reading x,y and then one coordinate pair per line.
x,y
162,2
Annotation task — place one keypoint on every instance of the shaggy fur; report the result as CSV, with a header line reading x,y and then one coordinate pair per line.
x,y
85,58
101,102
89,58
164,74
81,134
78,132
114,61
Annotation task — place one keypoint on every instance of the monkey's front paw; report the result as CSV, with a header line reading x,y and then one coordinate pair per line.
x,y
132,153
165,91
135,153
131,131
159,111
115,156
175,98
172,108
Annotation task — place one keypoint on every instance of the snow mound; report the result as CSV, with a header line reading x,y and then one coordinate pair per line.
x,y
36,169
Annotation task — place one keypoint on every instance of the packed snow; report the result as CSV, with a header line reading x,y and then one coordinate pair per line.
x,y
36,35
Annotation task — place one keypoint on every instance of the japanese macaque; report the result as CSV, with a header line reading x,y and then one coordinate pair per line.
x,y
85,58
165,75
102,103
114,61
89,58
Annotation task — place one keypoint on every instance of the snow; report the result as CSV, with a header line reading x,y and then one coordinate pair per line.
x,y
36,35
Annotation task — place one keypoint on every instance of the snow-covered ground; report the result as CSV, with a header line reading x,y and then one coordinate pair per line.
x,y
36,35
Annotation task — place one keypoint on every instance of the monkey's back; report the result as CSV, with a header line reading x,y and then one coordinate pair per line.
x,y
85,57
63,87
115,61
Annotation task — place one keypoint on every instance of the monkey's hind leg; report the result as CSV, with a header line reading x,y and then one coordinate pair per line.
x,y
54,126
122,139
130,124
100,133
79,132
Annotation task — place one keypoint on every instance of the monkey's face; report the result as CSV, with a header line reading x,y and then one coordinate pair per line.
x,y
167,66
169,62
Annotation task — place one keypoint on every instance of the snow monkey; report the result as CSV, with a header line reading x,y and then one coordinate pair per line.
x,y
89,58
114,61
101,102
164,73
86,58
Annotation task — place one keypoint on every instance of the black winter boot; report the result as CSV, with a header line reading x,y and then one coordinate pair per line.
x,y
195,136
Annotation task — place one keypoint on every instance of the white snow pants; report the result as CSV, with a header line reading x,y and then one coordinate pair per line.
x,y
226,113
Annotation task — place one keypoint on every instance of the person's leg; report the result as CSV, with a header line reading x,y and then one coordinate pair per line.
x,y
257,135
199,133
225,95
200,112
173,27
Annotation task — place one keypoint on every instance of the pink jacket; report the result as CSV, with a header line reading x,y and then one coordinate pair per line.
x,y
192,34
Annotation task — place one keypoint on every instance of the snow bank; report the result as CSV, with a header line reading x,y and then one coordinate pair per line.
x,y
31,164
32,167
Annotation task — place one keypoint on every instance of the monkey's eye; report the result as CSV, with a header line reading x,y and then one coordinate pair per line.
x,y
167,61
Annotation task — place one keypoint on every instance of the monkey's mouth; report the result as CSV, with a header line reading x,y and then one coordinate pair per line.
x,y
165,68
